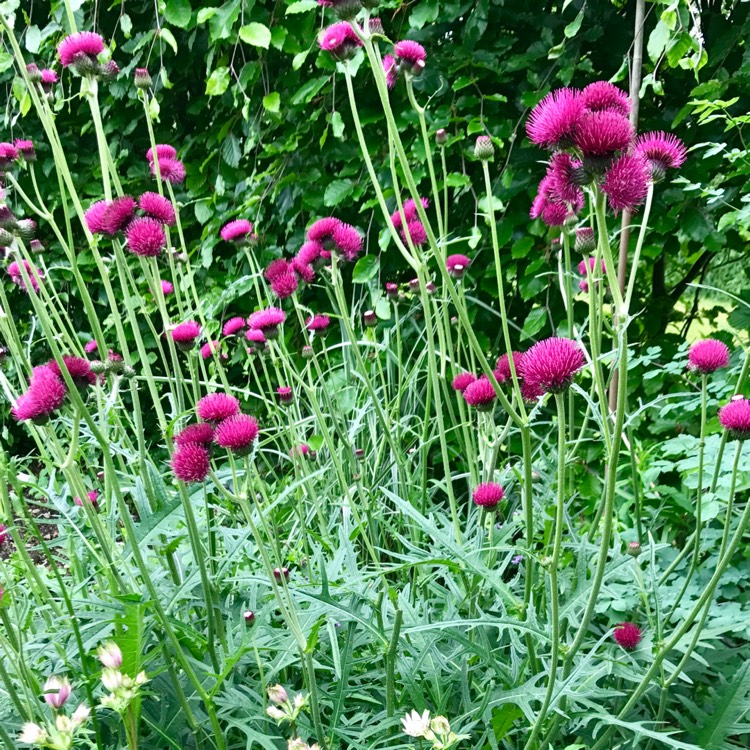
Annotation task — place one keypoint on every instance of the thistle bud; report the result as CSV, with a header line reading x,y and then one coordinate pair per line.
x,y
278,573
430,287
391,290
26,229
249,617
36,246
110,70
346,10
128,372
634,549
142,78
308,352
277,695
441,137
375,25
359,453
370,319
285,394
414,286
33,72
98,367
110,655
585,242
85,65
484,149
5,237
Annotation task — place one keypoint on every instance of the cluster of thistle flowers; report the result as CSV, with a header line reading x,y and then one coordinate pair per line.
x,y
593,142
221,424
144,233
59,732
436,730
286,711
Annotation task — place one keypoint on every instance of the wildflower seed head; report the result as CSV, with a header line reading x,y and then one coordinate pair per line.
x,y
707,356
9,155
161,151
16,275
256,338
347,241
411,54
36,247
26,229
415,232
109,71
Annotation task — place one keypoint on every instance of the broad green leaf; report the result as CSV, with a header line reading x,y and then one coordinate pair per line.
x,y
301,6
33,39
534,323
337,191
6,61
337,124
205,14
657,41
365,269
426,12
221,23
168,37
257,34
272,101
572,28
178,13
231,151
217,82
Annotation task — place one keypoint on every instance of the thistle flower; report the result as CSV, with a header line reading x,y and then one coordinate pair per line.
x,y
276,268
480,394
78,368
416,232
191,463
216,407
411,54
626,182
118,215
591,263
285,394
279,573
26,149
83,44
410,212
142,78
602,134
267,321
488,495
210,348
185,334
502,371
94,217
564,173
390,70
110,70
45,394
550,365
462,381
90,346
56,692
339,40
311,251
554,121
708,356
167,287
304,271
233,326
16,275
391,290
318,324
158,207
347,241
734,417
161,151
303,449
171,170
8,156
33,72
605,96
236,231
585,240
457,265
256,338
237,433
249,616
369,318
91,497
25,229
628,635
145,237
285,284
662,151
548,205
321,232
198,432
49,79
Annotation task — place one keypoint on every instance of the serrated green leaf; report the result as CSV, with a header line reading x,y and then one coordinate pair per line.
x,y
257,34
217,82
337,191
365,269
178,13
231,151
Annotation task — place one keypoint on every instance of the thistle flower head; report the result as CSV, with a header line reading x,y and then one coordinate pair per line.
x,y
256,337
167,287
26,149
16,275
145,237
390,69
303,449
84,43
708,356
488,495
236,231
563,173
339,40
415,232
502,371
626,182
285,284
318,324
161,151
480,394
191,462
734,417
605,96
591,263
8,156
94,217
554,121
45,394
91,497
628,635
216,407
662,151
285,394
410,212
171,170
78,368
309,253
347,241
118,214
56,691
198,432
603,133
484,148
457,265
411,55
237,433
305,271
321,232
462,381
185,334
210,348
90,346
267,320
585,240
233,326
49,79
157,207
142,78
550,365
276,268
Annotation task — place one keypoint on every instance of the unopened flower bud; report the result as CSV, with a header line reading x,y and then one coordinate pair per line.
x,y
110,70
391,290
56,692
142,78
36,247
276,713
308,352
414,285
370,319
375,24
5,237
249,617
279,572
110,655
128,372
484,149
81,715
277,694
440,725
441,137
585,241
64,724
430,287
359,453
634,549
285,394
97,367
26,229
112,679
141,678
33,72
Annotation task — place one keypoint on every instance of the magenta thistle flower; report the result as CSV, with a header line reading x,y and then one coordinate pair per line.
x,y
45,394
236,231
416,232
502,371
563,173
191,462
198,432
488,495
628,635
82,43
171,170
237,433
734,417
91,497
167,287
626,182
591,262
49,79
8,156
347,240
390,70
321,232
554,121
210,348
276,268
26,149
185,334
94,217
602,134
550,365
216,407
285,284
16,275
310,252
303,449
662,151
391,290
304,271
462,381
411,54
267,320
161,151
233,326
158,207
91,346
145,237
708,356
605,96
585,240
339,40
457,265
285,394
410,212
480,394
78,368
118,215
256,338
318,324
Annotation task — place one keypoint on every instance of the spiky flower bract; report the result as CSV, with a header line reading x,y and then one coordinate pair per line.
x,y
118,215
237,433
707,356
734,417
171,170
462,381
488,495
550,365
216,407
339,40
185,334
553,122
233,326
157,207
236,231
628,635
145,237
191,462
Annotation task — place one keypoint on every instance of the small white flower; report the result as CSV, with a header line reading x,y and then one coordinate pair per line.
x,y
64,724
276,713
295,743
110,655
416,725
441,726
32,734
300,701
277,694
112,679
81,714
